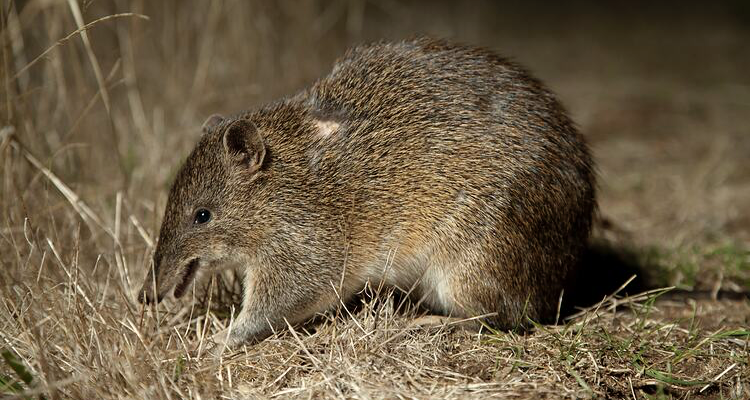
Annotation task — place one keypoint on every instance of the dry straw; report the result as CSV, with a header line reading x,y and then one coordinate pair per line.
x,y
92,130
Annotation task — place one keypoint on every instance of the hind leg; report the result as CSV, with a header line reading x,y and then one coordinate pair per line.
x,y
481,280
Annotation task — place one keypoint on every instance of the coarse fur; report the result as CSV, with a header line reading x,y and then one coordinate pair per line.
x,y
434,167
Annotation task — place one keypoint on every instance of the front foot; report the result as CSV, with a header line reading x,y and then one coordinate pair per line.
x,y
227,341
219,344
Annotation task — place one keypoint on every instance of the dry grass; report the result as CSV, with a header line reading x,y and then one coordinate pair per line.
x,y
100,100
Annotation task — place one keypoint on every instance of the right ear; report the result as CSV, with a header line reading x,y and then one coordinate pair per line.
x,y
211,123
244,145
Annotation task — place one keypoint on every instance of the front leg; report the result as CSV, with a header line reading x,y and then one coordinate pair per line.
x,y
249,326
241,331
274,298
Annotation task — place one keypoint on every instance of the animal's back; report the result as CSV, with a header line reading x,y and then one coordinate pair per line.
x,y
463,166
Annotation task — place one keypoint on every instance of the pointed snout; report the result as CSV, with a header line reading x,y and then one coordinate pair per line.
x,y
160,279
147,296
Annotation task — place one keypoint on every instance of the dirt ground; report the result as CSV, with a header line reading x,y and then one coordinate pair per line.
x,y
661,91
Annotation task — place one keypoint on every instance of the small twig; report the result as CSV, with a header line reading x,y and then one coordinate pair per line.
x,y
78,205
78,17
46,388
76,10
74,283
76,32
6,133
341,301
141,231
611,302
559,307
716,379
302,345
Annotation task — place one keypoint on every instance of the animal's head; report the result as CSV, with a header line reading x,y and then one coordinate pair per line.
x,y
209,213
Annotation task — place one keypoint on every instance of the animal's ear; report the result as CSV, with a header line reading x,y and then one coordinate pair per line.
x,y
244,144
212,122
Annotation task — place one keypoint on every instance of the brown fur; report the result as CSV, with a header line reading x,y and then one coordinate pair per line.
x,y
426,164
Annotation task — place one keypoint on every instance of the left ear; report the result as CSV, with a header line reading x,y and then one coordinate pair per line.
x,y
244,145
212,122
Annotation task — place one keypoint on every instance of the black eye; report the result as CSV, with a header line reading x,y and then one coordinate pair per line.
x,y
202,216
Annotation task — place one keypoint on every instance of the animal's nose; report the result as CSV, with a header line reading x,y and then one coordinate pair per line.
x,y
147,296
